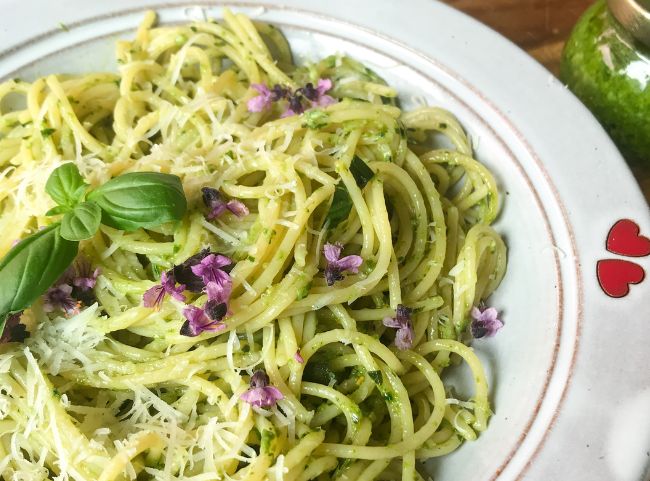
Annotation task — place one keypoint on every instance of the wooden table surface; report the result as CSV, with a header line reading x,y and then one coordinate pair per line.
x,y
540,27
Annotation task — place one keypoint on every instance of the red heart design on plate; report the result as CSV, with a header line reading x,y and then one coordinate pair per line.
x,y
616,275
624,239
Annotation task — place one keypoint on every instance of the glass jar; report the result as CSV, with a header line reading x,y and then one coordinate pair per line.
x,y
606,63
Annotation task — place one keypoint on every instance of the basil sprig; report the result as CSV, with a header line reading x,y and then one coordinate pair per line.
x,y
140,199
127,202
82,222
31,267
66,186
342,202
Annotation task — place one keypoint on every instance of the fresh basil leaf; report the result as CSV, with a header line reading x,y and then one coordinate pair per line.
x,y
59,209
31,267
82,222
341,206
360,171
140,199
65,185
342,202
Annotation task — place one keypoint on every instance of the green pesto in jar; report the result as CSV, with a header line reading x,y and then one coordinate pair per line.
x,y
610,72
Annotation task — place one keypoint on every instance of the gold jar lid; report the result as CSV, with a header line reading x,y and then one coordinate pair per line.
x,y
634,15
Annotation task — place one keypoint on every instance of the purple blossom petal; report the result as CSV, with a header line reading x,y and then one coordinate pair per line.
x,y
401,322
333,275
403,313
214,201
168,281
198,321
336,266
323,85
350,263
392,322
279,92
13,330
183,272
287,113
262,397
295,104
325,100
485,323
87,283
154,296
59,297
308,91
404,337
83,276
259,379
262,89
332,251
215,310
219,292
260,393
237,207
210,270
298,357
262,101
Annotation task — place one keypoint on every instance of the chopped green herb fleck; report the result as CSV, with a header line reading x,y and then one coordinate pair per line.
x,y
316,119
267,439
376,376
303,291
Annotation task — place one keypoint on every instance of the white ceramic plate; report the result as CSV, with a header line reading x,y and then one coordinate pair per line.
x,y
569,373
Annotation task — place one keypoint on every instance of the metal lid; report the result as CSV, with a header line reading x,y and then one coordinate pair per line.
x,y
634,15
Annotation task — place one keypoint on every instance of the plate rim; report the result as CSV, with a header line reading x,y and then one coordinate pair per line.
x,y
621,165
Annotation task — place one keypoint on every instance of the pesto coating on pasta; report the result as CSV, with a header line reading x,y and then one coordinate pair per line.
x,y
297,323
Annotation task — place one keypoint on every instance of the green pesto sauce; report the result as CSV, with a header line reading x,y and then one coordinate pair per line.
x,y
610,72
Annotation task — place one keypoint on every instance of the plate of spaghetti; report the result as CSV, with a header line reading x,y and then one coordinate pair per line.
x,y
261,242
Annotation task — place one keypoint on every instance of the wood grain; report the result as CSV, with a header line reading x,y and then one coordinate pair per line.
x,y
540,27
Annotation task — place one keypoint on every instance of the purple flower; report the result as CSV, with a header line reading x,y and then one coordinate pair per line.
x,y
13,330
337,266
59,297
485,322
214,201
84,277
183,272
216,310
218,284
219,293
401,322
199,321
154,296
262,101
266,97
295,104
317,96
260,394
298,357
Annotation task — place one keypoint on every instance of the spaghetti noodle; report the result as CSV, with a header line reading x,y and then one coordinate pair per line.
x,y
118,391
